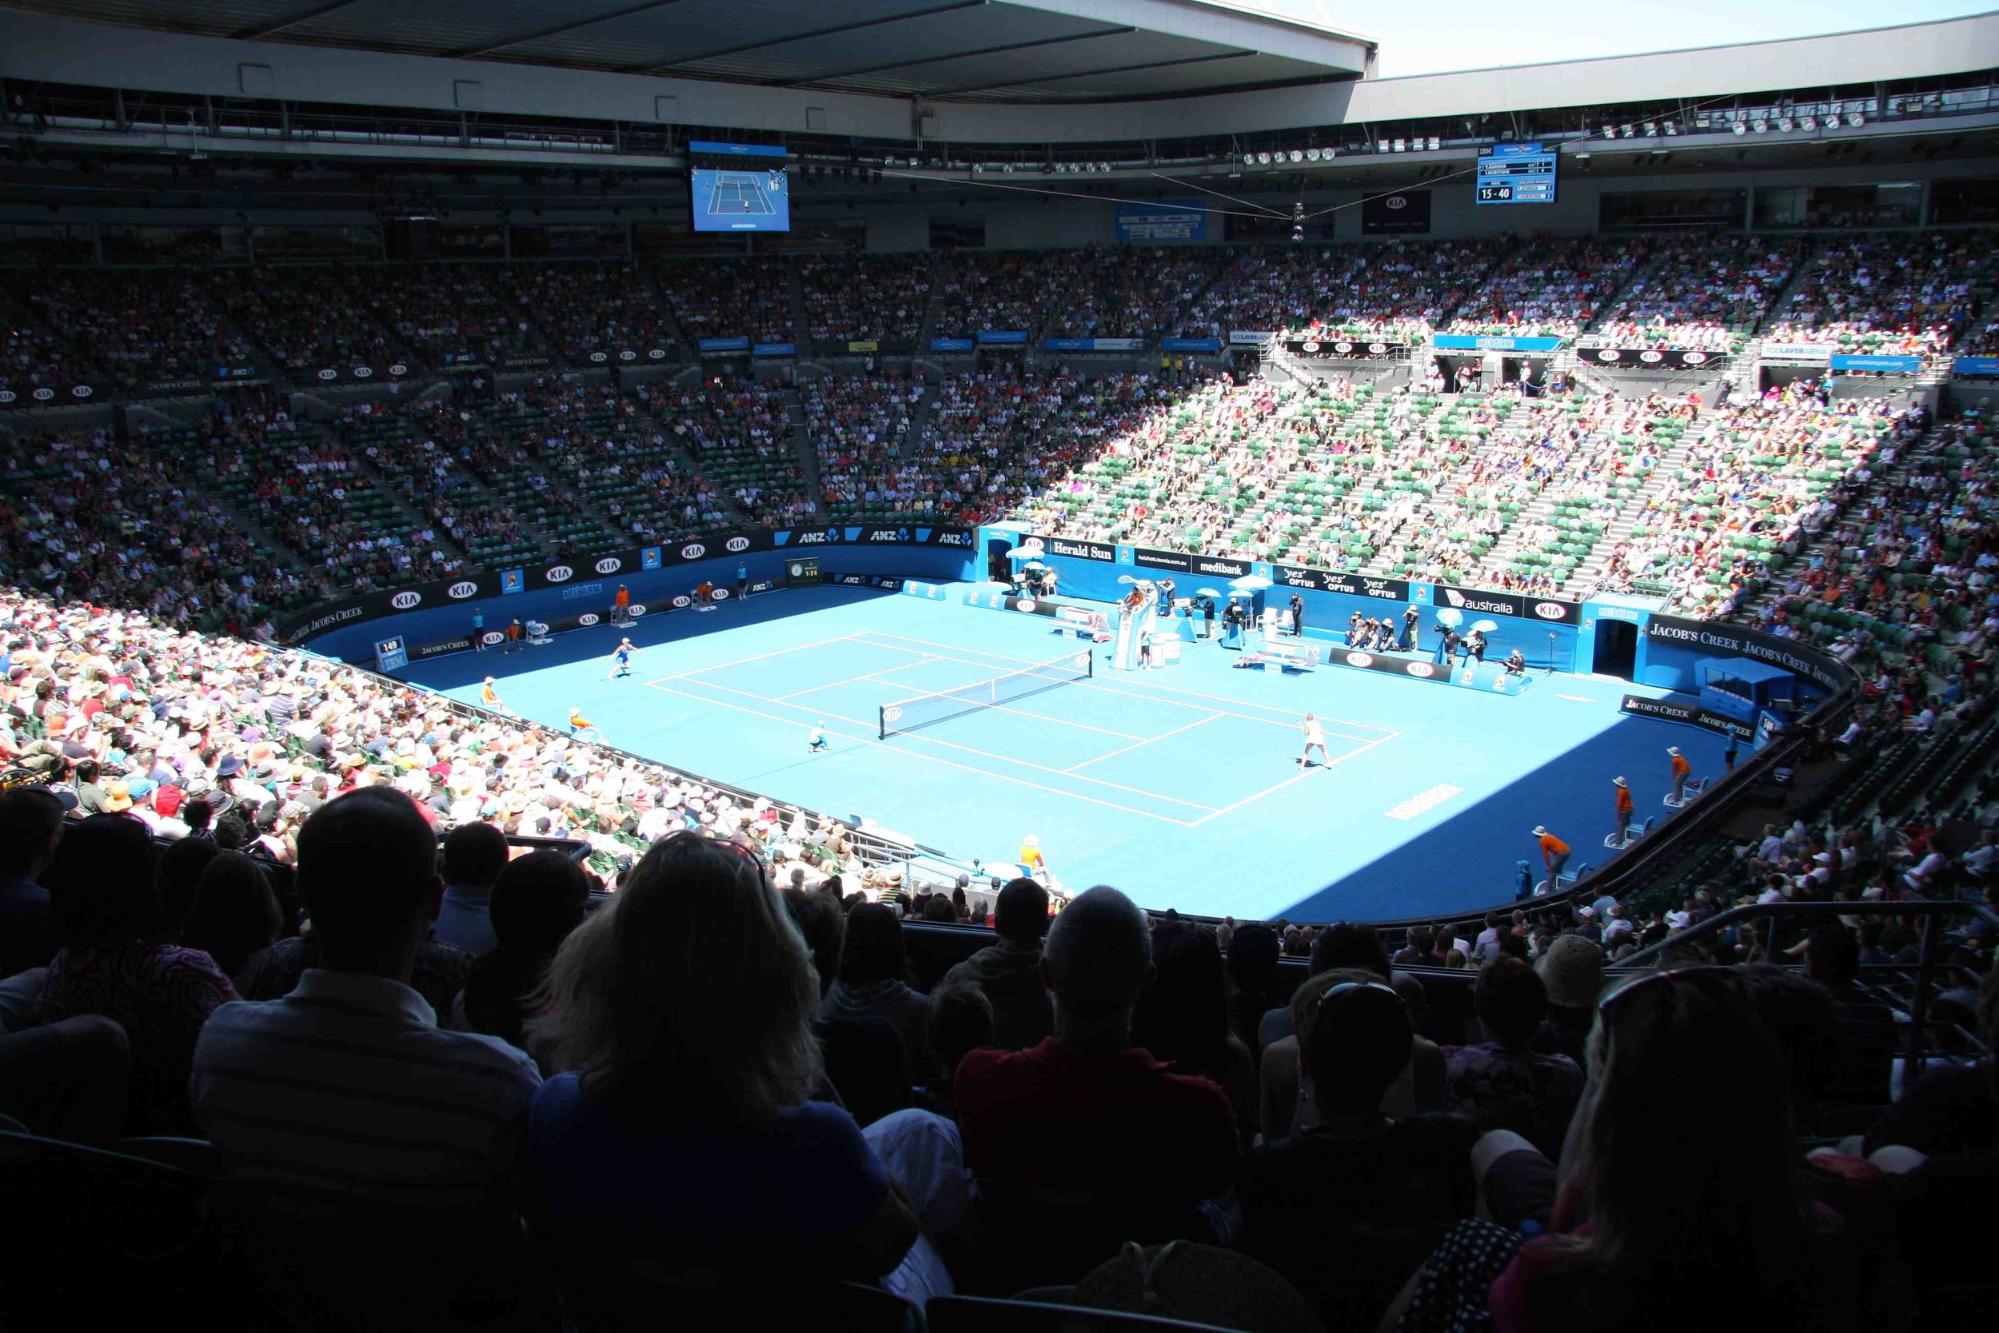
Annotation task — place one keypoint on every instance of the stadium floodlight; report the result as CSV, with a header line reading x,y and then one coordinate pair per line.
x,y
1263,159
1671,128
1651,129
1436,143
1760,125
1610,131
1808,122
1297,155
1740,128
1401,145
1311,155
1854,120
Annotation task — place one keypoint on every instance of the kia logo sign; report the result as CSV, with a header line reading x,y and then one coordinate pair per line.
x,y
559,574
657,354
599,357
1342,348
610,564
44,394
635,611
1024,604
680,602
1608,354
693,551
399,369
80,391
587,619
329,374
461,590
628,356
721,594
1424,670
1651,357
1551,610
735,544
1694,358
6,395
492,636
1377,348
1311,346
1360,659
1395,201
362,372
403,601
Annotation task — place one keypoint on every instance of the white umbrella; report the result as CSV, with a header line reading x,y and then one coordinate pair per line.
x,y
1206,592
1250,583
1450,617
1025,553
1034,564
1486,626
1126,578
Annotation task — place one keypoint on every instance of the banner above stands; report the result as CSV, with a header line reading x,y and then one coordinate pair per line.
x,y
723,346
43,395
951,344
1877,365
1002,337
774,349
1806,354
1209,345
1983,367
360,374
1647,358
627,356
1480,342
1248,338
1093,344
1352,349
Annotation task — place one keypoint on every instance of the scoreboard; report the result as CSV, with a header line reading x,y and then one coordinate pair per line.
x,y
1516,173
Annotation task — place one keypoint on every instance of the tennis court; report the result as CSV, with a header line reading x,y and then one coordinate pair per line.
x,y
741,193
1180,785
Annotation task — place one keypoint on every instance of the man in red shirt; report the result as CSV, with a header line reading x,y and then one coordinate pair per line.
x,y
1085,1141
1554,854
1682,770
1623,810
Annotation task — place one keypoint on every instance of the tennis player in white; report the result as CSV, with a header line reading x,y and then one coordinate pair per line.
x,y
1315,739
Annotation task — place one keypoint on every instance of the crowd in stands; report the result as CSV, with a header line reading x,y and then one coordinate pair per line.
x,y
33,356
1889,293
455,315
1399,291
1007,291
1548,288
587,309
742,298
857,425
141,327
1700,293
739,440
309,319
866,298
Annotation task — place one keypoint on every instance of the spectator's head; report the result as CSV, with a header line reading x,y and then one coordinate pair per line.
x,y
961,1021
1423,939
196,812
690,994
235,913
821,921
1804,1024
102,891
1510,1000
537,900
1832,955
1097,962
1356,1041
367,873
873,950
474,855
1184,1017
1253,957
1020,913
30,827
1572,972
938,908
1666,1049
1350,944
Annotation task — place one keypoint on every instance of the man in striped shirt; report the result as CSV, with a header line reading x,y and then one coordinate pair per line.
x,y
347,1083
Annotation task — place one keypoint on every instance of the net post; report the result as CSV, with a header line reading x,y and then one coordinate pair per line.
x,y
881,721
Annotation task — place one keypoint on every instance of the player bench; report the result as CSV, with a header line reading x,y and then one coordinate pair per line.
x,y
1277,655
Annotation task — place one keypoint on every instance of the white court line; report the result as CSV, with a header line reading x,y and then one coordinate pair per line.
x,y
1012,760
1299,777
844,680
933,758
1094,683
989,708
743,661
1197,722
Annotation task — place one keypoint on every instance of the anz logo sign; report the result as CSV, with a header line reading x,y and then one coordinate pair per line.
x,y
954,539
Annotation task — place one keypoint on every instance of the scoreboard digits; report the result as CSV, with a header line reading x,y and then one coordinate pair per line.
x,y
1516,173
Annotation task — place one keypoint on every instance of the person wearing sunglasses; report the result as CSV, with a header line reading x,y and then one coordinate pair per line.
x,y
1679,1191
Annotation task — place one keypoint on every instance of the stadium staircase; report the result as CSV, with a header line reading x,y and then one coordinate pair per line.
x,y
1584,577
177,430
651,424
684,348
801,326
801,445
912,438
925,325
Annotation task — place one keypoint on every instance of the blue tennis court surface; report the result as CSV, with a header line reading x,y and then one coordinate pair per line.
x,y
744,192
1180,785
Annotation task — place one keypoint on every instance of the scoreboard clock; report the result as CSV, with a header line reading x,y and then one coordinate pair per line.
x,y
1516,173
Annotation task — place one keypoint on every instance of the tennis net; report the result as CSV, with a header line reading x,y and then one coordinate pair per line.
x,y
923,710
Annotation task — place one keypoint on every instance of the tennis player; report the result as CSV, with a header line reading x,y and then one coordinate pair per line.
x,y
817,740
621,660
1315,739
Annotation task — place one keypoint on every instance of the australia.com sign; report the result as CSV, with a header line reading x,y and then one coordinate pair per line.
x,y
578,576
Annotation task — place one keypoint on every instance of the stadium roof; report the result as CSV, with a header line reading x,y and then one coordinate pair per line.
x,y
1008,51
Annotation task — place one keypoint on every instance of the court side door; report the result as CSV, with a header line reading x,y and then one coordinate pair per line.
x,y
1616,649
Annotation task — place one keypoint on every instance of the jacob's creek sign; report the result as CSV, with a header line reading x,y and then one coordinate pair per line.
x,y
1712,637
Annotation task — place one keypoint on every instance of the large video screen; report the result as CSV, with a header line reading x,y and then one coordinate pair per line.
x,y
738,186
1516,173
